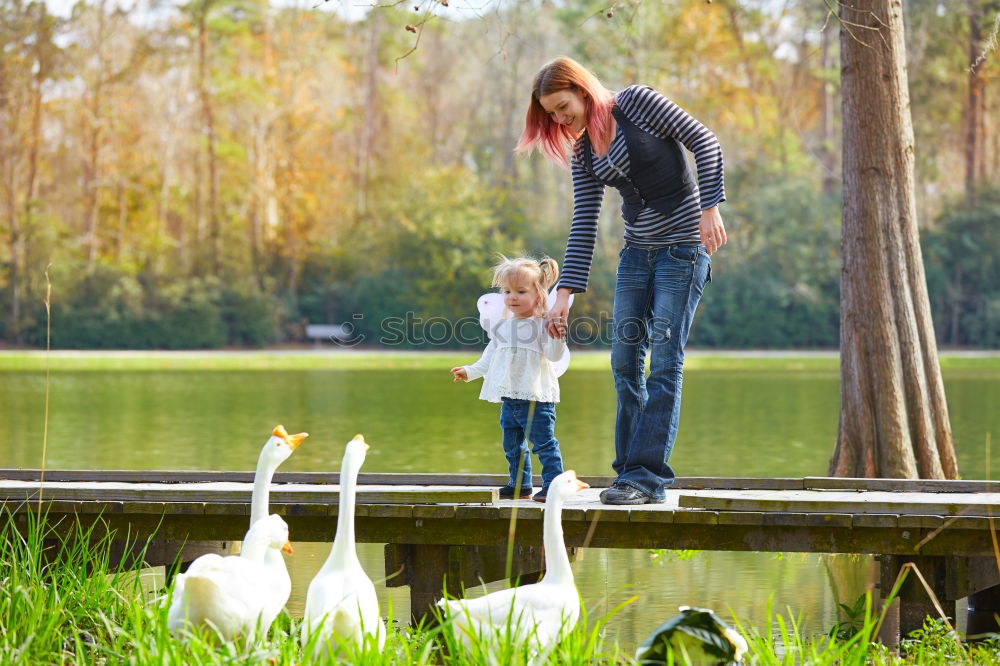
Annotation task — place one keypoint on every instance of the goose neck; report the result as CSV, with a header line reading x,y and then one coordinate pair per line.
x,y
344,550
261,497
557,569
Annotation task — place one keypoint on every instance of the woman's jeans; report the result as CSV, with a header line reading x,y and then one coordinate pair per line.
x,y
656,295
516,419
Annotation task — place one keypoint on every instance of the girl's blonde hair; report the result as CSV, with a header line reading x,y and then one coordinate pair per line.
x,y
541,274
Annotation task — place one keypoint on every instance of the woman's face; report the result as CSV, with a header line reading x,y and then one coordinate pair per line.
x,y
566,107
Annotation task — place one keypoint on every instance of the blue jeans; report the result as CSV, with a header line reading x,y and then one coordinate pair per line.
x,y
514,420
656,294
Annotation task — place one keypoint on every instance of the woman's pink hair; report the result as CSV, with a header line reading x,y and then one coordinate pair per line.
x,y
556,140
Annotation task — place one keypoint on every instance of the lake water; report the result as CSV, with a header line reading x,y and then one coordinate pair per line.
x,y
734,423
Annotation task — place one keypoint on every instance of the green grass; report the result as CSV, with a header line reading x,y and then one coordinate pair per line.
x,y
398,360
62,601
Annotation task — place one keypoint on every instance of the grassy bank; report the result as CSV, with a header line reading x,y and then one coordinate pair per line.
x,y
71,606
422,360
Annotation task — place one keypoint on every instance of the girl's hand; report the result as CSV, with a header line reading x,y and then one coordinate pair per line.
x,y
713,232
459,374
559,314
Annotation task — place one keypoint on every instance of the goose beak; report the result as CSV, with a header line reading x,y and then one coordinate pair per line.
x,y
361,437
580,485
287,548
292,440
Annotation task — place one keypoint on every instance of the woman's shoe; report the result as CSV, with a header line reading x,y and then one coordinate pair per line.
x,y
624,494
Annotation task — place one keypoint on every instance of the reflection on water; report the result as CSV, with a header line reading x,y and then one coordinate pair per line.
x,y
734,423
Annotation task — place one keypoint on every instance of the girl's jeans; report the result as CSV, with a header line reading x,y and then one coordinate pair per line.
x,y
514,420
656,294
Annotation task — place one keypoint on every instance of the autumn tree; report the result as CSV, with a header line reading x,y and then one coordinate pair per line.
x,y
894,419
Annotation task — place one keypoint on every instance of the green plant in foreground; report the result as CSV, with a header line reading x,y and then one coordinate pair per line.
x,y
63,602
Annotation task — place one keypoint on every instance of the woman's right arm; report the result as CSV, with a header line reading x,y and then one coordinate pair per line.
x,y
588,194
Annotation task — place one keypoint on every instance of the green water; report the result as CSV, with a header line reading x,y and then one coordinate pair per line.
x,y
734,423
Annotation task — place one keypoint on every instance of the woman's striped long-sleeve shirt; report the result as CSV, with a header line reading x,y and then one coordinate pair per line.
x,y
653,113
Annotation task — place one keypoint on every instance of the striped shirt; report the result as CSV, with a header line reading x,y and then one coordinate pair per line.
x,y
653,113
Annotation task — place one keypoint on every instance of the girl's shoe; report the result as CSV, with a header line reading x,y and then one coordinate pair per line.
x,y
507,492
541,494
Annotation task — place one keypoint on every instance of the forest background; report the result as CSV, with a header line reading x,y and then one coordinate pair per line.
x,y
223,172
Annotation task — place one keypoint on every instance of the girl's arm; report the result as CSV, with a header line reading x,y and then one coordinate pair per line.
x,y
479,368
554,348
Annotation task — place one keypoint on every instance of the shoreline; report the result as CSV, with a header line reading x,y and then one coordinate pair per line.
x,y
391,359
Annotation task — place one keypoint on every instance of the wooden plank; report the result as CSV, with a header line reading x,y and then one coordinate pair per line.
x,y
901,485
876,520
333,478
606,514
240,492
696,517
389,511
523,510
736,483
741,518
920,522
815,501
434,511
808,519
662,516
227,509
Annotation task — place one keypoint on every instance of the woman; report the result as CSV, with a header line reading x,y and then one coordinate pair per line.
x,y
631,140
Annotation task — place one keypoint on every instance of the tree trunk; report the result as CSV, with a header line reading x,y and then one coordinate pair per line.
x,y
974,111
893,419
208,129
827,157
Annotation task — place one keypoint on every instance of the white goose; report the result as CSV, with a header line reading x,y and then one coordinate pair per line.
x,y
537,613
341,605
236,594
277,449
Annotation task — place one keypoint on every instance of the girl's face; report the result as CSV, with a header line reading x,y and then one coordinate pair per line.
x,y
566,107
520,298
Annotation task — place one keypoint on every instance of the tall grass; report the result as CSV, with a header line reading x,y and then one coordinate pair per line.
x,y
63,601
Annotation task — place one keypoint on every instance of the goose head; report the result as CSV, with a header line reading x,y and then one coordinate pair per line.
x,y
270,533
565,486
279,446
354,455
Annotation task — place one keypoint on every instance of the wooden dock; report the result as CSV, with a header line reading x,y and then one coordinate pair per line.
x,y
454,529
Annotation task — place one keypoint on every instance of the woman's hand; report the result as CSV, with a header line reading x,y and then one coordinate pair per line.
x,y
559,314
713,232
459,374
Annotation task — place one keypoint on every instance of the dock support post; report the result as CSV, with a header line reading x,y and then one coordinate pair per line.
x,y
913,604
426,568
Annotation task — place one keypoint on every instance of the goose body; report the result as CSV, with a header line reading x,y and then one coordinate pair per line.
x,y
537,613
341,604
237,594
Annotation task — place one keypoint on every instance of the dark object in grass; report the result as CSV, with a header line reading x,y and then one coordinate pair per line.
x,y
696,636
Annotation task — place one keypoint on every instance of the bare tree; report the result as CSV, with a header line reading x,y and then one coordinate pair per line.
x,y
893,419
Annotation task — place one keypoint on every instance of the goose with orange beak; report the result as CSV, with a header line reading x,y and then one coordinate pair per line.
x,y
538,614
234,595
341,605
277,449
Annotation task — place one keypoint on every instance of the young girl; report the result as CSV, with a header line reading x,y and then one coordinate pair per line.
x,y
517,370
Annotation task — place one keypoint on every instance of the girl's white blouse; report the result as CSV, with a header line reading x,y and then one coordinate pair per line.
x,y
517,363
